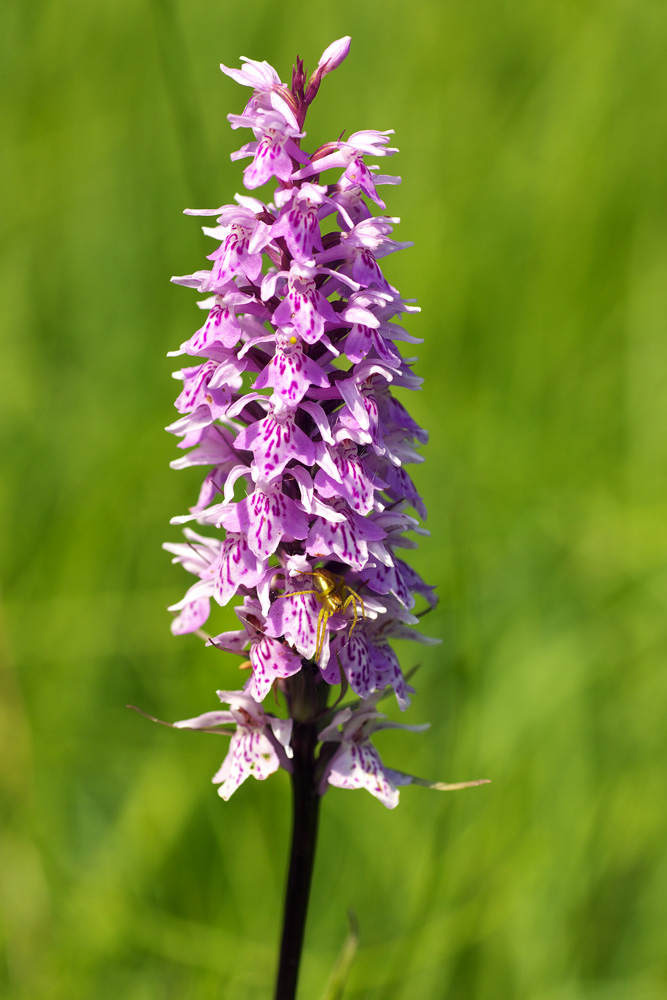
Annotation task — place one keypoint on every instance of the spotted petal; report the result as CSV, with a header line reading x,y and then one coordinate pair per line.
x,y
274,441
265,518
347,542
238,566
359,766
291,372
270,660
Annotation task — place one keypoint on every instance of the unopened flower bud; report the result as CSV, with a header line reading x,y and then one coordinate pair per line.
x,y
330,59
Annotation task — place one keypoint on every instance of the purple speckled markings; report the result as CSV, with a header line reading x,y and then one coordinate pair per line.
x,y
289,408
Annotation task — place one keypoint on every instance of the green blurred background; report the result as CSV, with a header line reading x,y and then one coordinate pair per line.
x,y
533,152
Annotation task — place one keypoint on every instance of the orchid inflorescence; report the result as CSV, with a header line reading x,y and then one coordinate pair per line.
x,y
293,398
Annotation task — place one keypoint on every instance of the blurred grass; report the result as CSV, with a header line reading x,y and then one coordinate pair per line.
x,y
532,151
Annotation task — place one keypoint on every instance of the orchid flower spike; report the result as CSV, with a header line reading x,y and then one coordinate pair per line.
x,y
287,405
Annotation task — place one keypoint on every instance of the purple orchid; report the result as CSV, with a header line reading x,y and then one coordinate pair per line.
x,y
288,404
291,396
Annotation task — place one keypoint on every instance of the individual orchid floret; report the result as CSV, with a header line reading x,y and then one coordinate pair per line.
x,y
347,542
370,664
360,249
210,384
264,518
356,763
276,440
227,321
342,153
358,176
235,257
304,307
349,475
270,659
290,372
259,743
268,91
273,151
299,221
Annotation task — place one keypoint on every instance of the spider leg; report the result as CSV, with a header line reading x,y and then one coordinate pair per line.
x,y
351,600
361,601
298,593
322,620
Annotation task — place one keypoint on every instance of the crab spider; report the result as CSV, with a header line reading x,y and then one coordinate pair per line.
x,y
334,595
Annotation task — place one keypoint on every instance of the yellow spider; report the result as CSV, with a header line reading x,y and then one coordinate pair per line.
x,y
334,595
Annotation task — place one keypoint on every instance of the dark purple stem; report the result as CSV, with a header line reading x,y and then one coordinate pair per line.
x,y
306,807
306,696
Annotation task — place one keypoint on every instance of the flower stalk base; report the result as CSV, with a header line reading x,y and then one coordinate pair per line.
x,y
305,816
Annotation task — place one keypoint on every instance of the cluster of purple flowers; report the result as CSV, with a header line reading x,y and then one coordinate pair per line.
x,y
293,400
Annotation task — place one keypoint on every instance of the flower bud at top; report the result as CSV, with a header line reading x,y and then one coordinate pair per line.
x,y
330,59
